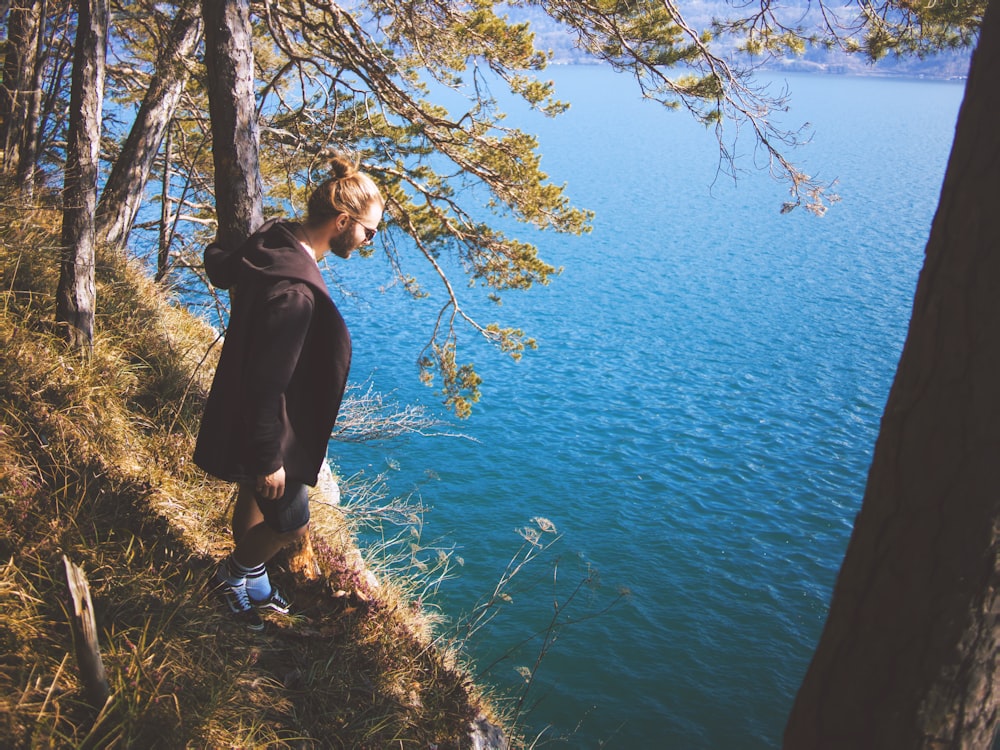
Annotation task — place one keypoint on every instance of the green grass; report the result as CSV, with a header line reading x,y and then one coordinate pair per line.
x,y
95,465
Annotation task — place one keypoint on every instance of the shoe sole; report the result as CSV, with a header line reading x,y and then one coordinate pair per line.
x,y
271,603
268,604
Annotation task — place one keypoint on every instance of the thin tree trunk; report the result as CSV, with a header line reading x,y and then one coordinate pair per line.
x,y
910,651
76,295
229,59
163,255
59,68
125,188
25,172
23,26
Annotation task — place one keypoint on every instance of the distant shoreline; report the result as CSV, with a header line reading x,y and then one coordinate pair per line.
x,y
945,67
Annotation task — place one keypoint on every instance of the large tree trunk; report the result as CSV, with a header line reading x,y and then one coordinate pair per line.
x,y
76,296
231,103
909,654
124,191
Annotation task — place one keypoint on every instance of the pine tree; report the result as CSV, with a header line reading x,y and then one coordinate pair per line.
x,y
76,294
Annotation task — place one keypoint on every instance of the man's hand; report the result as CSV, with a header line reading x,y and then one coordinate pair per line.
x,y
271,486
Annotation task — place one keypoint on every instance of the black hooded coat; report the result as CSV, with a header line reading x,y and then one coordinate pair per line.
x,y
284,363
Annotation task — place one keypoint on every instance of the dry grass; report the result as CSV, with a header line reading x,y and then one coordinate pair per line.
x,y
94,464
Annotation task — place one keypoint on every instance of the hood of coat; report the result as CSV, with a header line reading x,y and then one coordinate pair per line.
x,y
272,252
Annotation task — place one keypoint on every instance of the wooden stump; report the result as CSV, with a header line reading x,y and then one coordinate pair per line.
x,y
88,652
302,560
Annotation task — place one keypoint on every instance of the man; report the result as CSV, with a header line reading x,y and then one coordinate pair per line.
x,y
280,379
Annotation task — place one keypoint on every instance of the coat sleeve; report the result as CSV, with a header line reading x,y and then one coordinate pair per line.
x,y
280,330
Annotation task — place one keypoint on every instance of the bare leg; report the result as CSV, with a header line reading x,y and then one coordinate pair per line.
x,y
246,514
256,542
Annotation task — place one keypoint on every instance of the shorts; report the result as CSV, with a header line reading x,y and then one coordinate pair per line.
x,y
289,512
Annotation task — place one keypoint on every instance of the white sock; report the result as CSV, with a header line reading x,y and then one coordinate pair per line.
x,y
233,572
258,584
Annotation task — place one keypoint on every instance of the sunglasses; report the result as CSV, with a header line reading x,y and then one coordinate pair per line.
x,y
369,232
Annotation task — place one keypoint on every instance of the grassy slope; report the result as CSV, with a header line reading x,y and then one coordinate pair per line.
x,y
94,464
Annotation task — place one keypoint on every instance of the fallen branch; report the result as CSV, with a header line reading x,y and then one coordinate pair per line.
x,y
88,652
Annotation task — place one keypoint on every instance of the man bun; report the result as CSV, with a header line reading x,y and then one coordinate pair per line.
x,y
343,166
348,190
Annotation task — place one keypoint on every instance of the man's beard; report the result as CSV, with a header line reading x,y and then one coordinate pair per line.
x,y
341,245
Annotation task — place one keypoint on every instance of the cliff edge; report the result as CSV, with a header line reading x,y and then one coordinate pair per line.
x,y
94,466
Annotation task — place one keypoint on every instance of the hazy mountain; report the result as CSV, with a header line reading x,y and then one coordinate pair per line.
x,y
551,36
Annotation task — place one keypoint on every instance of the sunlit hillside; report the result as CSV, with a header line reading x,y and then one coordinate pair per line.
x,y
94,467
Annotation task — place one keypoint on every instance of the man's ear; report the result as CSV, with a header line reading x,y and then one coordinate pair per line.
x,y
341,222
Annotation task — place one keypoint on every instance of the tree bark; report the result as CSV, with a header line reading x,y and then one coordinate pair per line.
x,y
125,188
163,243
24,26
76,294
909,654
28,154
229,60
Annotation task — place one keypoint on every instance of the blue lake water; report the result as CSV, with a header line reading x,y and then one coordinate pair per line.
x,y
699,417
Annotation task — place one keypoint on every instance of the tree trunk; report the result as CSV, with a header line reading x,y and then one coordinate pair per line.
x,y
24,26
229,60
909,654
56,84
25,172
163,243
76,295
124,191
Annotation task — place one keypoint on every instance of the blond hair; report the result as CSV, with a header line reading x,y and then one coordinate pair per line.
x,y
348,191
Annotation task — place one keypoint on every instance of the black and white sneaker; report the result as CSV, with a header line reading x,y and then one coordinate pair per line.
x,y
238,602
275,602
